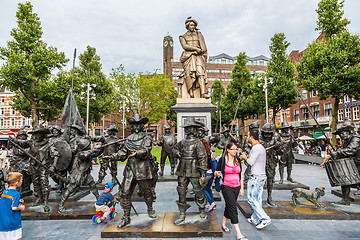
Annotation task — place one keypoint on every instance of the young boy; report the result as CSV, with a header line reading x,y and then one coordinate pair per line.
x,y
104,199
11,207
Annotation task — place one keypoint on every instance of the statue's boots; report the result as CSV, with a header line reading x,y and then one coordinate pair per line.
x,y
202,212
40,200
205,96
125,220
281,171
172,170
270,202
182,208
161,173
289,176
346,196
357,192
150,210
201,203
46,199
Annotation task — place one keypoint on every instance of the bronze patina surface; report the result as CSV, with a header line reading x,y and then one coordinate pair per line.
x,y
74,210
163,227
286,210
54,196
353,198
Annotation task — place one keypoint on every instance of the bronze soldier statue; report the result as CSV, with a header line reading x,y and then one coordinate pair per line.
x,y
139,168
191,169
81,170
2,182
350,149
227,137
20,162
41,149
193,59
287,143
167,141
62,156
268,141
108,150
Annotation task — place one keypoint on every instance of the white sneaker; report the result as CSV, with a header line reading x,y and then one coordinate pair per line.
x,y
207,206
250,221
263,223
212,207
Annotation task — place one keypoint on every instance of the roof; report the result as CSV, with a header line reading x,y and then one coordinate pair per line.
x,y
226,56
167,35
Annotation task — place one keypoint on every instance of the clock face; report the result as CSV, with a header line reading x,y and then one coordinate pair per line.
x,y
165,43
171,43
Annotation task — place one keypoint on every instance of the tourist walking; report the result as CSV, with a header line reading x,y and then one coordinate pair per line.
x,y
255,186
229,167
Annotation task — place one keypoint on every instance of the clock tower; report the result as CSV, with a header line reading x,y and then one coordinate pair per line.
x,y
168,49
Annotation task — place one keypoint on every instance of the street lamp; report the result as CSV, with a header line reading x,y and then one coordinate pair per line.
x,y
265,88
88,89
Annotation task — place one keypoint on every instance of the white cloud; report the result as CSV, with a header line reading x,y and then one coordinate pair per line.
x,y
131,32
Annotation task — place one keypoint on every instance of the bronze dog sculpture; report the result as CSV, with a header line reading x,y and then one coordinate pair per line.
x,y
311,196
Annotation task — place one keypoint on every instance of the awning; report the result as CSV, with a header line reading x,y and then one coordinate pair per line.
x,y
4,137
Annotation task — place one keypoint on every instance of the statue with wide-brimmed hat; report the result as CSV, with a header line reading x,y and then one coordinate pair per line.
x,y
191,168
140,168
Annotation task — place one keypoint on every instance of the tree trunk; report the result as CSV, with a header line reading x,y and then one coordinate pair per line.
x,y
274,117
334,120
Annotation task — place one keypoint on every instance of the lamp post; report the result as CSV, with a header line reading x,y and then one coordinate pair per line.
x,y
265,88
88,89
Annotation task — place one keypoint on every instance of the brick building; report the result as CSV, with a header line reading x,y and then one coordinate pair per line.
x,y
218,67
299,117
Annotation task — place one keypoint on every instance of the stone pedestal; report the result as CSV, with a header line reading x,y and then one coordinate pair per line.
x,y
199,108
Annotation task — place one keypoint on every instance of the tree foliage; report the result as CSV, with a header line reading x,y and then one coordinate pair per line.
x,y
28,65
330,17
151,95
101,94
333,66
281,76
251,100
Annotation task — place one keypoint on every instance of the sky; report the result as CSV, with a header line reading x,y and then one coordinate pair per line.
x,y
131,32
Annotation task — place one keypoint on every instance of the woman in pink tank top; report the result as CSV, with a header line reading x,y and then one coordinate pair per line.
x,y
229,167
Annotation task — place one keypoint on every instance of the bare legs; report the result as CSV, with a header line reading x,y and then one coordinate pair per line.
x,y
236,227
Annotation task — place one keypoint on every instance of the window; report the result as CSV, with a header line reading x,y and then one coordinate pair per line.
x,y
97,132
328,109
283,116
348,113
341,115
226,71
346,99
177,89
356,113
12,122
316,111
209,91
340,100
177,69
304,94
226,79
23,121
211,79
305,113
296,114
2,111
175,78
314,93
2,122
12,111
213,70
2,99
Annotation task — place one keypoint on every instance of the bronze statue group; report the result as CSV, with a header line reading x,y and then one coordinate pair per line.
x,y
69,161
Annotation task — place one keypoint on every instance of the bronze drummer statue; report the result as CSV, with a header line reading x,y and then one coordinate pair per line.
x,y
191,169
350,149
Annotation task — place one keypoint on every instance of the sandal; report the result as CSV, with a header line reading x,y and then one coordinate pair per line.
x,y
225,229
242,238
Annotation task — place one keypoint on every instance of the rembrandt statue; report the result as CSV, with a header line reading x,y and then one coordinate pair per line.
x,y
193,59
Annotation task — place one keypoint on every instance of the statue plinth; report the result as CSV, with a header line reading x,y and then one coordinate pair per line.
x,y
200,108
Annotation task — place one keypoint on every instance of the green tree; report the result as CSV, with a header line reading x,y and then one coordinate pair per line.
x,y
333,66
151,95
28,65
281,76
89,72
217,90
250,103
